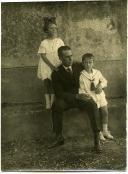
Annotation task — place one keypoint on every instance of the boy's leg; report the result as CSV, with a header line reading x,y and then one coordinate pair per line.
x,y
104,114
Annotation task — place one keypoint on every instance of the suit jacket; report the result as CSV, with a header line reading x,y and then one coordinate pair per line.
x,y
66,84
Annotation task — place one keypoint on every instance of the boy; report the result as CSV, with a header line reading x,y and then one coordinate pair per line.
x,y
92,84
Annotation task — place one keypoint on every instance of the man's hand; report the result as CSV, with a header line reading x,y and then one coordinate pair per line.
x,y
98,89
83,97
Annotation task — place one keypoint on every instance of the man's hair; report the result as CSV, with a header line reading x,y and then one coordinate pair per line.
x,y
87,56
61,49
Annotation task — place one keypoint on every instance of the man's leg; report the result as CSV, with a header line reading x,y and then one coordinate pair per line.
x,y
93,113
58,107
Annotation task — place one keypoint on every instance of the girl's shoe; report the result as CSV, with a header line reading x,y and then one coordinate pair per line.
x,y
101,136
108,135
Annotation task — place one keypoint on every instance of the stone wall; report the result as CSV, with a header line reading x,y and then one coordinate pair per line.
x,y
96,27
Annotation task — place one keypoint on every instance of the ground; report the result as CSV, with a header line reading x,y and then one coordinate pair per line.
x,y
22,149
76,154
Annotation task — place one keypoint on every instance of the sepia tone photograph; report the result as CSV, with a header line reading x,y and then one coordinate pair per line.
x,y
63,85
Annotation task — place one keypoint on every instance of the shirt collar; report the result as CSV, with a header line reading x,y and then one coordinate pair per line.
x,y
69,67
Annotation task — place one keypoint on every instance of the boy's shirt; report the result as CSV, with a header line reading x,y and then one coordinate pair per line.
x,y
85,81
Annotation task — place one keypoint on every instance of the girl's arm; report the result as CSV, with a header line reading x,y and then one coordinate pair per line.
x,y
45,59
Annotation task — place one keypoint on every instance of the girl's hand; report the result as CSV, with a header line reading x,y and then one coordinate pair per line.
x,y
53,68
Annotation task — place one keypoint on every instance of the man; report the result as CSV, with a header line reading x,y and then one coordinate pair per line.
x,y
66,84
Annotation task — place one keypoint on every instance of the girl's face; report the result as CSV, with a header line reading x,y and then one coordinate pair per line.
x,y
52,30
88,64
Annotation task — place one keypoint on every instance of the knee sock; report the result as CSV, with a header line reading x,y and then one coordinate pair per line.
x,y
47,99
105,127
52,99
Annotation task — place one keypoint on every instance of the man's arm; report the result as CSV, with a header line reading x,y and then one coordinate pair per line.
x,y
58,89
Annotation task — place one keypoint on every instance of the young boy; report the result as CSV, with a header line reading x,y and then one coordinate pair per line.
x,y
92,84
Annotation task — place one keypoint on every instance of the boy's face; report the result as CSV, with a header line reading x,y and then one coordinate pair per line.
x,y
88,64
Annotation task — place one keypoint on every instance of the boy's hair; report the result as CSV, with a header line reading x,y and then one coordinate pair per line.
x,y
87,56
61,49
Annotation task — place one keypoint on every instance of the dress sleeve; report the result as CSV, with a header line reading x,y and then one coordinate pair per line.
x,y
103,81
61,43
42,47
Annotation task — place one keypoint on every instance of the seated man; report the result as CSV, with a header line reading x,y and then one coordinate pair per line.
x,y
66,84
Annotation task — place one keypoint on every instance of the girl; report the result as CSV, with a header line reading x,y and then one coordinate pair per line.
x,y
92,83
49,58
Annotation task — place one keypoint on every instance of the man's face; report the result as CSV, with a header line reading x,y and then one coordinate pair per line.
x,y
88,64
66,58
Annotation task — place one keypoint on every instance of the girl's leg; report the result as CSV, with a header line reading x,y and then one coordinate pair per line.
x,y
47,99
46,94
51,92
52,98
104,114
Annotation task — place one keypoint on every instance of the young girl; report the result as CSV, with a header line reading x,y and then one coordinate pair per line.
x,y
49,58
92,84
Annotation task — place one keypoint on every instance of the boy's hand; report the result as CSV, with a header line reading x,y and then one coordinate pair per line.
x,y
98,89
83,97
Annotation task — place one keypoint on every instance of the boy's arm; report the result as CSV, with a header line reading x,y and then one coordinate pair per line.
x,y
103,81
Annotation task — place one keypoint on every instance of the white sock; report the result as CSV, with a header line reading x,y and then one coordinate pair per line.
x,y
47,99
105,127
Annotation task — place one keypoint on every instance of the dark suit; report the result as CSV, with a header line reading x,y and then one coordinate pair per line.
x,y
66,87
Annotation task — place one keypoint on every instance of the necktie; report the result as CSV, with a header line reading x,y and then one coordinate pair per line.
x,y
92,86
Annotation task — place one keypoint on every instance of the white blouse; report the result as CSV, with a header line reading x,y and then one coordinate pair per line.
x,y
50,48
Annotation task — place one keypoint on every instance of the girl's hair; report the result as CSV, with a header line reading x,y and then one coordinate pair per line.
x,y
87,56
47,22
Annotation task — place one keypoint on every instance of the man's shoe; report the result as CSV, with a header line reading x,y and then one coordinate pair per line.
x,y
108,135
56,144
97,149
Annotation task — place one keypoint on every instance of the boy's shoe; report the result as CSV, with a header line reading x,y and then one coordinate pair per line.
x,y
108,135
101,136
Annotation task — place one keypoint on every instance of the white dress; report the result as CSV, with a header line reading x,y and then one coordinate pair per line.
x,y
50,48
85,86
